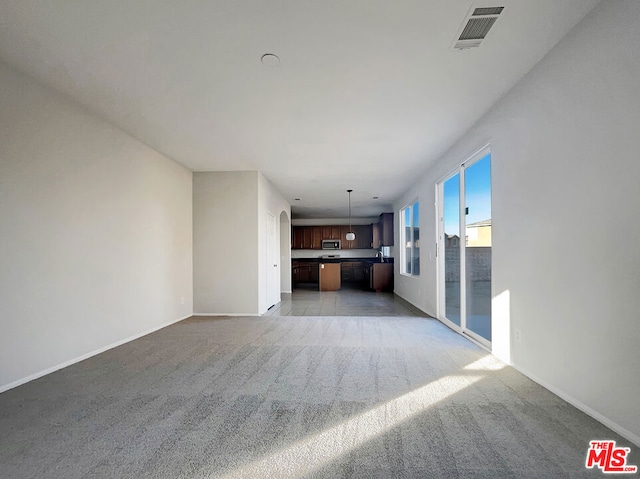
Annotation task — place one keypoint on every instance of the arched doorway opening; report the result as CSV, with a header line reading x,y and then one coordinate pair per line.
x,y
285,253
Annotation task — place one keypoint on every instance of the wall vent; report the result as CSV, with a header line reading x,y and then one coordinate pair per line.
x,y
475,27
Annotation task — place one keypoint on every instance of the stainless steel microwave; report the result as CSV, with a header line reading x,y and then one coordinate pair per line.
x,y
330,244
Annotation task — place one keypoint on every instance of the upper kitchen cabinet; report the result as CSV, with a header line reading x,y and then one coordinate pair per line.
x,y
331,232
382,231
386,229
375,236
344,229
364,237
306,237
310,237
296,238
316,237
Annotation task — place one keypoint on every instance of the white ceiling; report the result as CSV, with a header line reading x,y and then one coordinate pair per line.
x,y
367,93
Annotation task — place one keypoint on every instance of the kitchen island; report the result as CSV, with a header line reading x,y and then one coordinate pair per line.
x,y
374,274
330,279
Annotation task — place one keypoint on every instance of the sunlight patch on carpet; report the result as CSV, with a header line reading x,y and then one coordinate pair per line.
x,y
311,453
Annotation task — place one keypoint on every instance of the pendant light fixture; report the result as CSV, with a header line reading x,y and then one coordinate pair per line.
x,y
350,235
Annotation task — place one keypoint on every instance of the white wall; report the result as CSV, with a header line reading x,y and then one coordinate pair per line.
x,y
229,232
225,245
270,201
566,234
95,233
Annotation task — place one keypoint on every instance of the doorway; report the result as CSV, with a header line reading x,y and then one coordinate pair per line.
x,y
285,253
464,238
273,276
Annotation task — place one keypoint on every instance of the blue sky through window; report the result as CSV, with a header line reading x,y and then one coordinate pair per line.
x,y
452,206
477,192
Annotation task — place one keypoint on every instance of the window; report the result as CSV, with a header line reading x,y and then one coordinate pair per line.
x,y
410,239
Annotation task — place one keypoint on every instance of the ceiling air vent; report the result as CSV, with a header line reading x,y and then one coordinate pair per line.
x,y
476,26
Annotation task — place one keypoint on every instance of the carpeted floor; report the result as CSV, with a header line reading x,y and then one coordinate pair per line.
x,y
294,397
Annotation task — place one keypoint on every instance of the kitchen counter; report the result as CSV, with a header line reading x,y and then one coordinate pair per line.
x,y
369,273
341,260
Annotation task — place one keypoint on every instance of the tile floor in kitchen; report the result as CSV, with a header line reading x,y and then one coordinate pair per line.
x,y
306,300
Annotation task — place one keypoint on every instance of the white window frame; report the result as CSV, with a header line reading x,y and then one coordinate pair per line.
x,y
403,238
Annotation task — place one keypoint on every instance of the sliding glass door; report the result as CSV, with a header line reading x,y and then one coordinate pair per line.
x,y
451,249
477,247
465,262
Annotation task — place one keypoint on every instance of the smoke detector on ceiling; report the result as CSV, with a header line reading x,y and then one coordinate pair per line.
x,y
475,27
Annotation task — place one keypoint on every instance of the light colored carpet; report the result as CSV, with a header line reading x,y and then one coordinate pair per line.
x,y
293,397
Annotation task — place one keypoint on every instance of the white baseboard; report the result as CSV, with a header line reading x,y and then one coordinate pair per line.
x,y
411,303
634,438
52,369
226,314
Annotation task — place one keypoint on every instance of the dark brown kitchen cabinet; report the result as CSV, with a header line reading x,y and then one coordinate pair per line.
x,y
346,244
382,231
386,229
375,236
295,273
310,237
381,277
363,236
297,241
296,238
346,271
316,237
358,272
352,272
331,232
366,269
314,273
306,237
304,272
299,273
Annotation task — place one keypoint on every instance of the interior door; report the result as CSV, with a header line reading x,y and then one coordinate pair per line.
x,y
464,205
